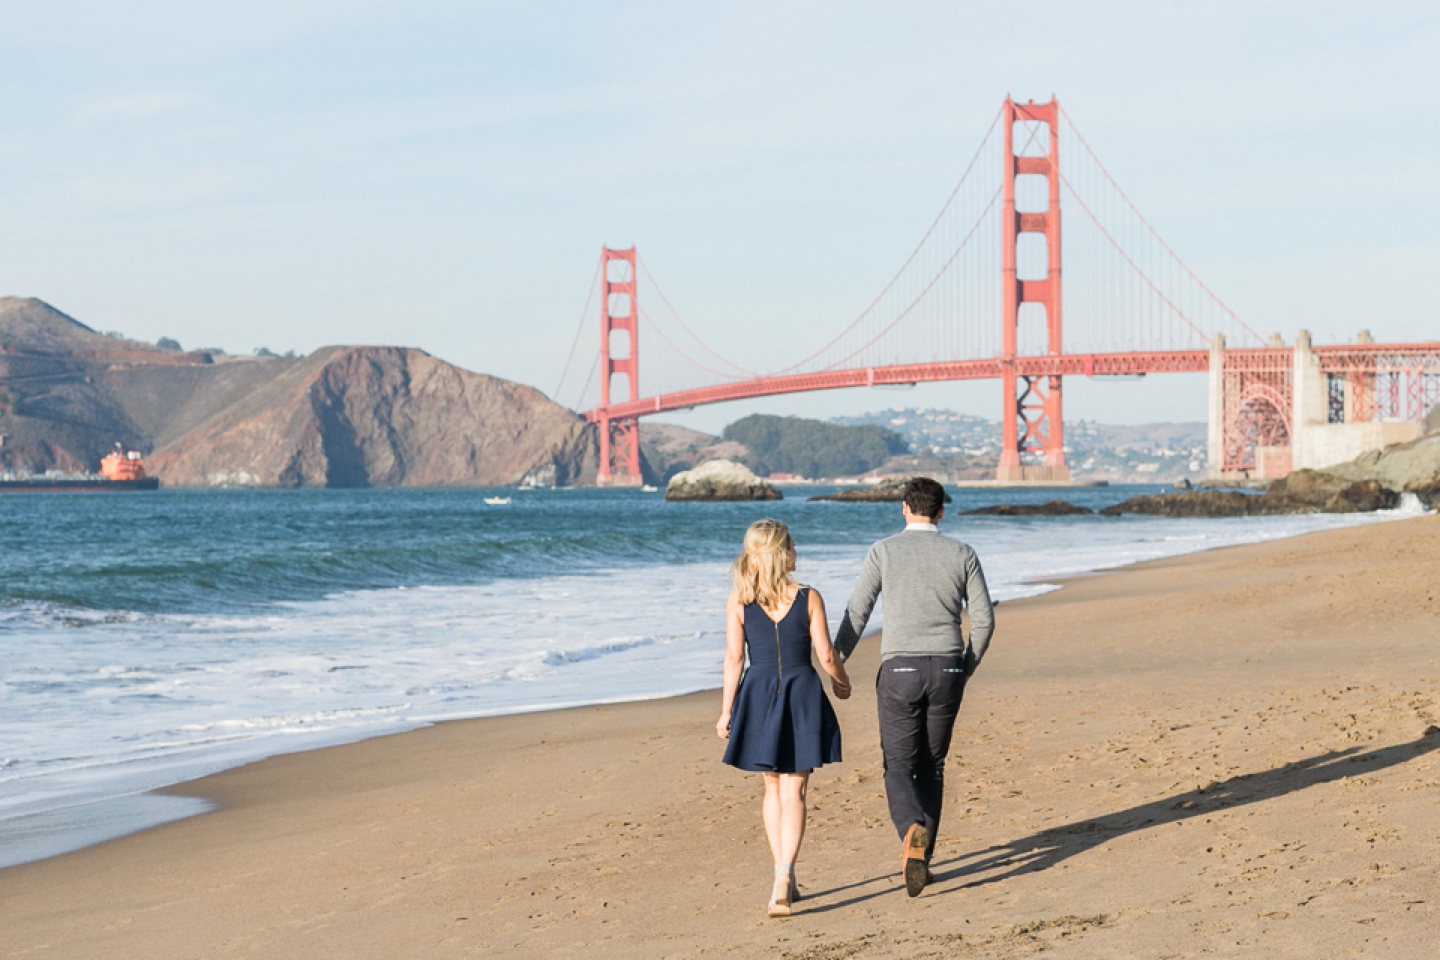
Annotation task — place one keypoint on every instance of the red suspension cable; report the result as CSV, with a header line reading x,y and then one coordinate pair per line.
x,y
1161,240
908,260
1121,250
676,314
983,214
671,343
580,330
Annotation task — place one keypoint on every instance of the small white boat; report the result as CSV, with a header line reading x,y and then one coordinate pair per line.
x,y
497,501
649,489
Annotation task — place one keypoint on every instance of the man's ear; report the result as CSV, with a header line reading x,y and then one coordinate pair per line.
x,y
939,514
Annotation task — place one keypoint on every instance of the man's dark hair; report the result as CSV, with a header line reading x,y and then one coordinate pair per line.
x,y
925,497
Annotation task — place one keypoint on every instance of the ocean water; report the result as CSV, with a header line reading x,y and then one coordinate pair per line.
x,y
153,638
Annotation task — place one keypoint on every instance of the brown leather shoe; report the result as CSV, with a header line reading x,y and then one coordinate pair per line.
x,y
916,870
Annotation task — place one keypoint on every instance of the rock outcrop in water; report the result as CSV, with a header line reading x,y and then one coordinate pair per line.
x,y
1051,508
719,480
341,417
1305,491
886,491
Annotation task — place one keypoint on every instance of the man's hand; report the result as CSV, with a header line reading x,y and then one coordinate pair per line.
x,y
842,690
722,726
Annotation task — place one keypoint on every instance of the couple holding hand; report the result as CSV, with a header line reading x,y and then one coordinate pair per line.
x,y
775,713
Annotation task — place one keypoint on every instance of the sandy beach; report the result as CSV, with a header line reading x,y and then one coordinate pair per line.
x,y
1223,754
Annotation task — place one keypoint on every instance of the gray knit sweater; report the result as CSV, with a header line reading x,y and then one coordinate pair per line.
x,y
927,580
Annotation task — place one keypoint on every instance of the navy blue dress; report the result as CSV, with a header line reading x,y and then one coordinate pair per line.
x,y
781,721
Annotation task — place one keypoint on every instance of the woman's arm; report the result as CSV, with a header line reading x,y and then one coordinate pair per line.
x,y
734,661
830,661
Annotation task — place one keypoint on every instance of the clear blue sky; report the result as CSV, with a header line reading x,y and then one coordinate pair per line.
x,y
442,175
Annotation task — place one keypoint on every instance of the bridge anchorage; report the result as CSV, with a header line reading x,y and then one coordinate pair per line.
x,y
979,297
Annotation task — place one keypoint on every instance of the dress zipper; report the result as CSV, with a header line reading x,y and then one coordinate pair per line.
x,y
779,659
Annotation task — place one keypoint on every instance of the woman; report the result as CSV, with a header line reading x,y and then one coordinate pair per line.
x,y
776,716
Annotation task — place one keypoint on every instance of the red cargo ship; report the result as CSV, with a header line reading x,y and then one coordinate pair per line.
x,y
120,470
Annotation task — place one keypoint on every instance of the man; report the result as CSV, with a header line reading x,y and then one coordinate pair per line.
x,y
927,580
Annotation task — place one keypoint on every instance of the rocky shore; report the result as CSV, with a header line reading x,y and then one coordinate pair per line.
x,y
1405,468
719,480
1305,491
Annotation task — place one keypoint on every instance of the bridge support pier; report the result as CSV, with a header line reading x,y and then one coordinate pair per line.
x,y
619,448
1215,417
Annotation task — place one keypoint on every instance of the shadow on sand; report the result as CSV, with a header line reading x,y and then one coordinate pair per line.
x,y
1046,848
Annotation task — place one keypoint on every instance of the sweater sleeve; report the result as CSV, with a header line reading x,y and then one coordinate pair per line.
x,y
982,614
862,604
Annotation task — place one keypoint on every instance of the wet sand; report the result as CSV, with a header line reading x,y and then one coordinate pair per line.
x,y
1223,754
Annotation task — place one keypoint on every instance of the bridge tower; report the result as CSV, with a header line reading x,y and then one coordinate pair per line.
x,y
1033,419
619,437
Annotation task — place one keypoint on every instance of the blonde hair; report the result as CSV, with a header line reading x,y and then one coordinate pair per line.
x,y
762,572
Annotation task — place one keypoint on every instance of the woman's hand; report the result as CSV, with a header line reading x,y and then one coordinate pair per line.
x,y
722,726
841,688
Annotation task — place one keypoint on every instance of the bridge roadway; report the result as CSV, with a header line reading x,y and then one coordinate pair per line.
x,y
1067,365
1362,358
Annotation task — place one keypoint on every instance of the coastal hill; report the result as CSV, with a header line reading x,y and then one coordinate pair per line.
x,y
950,446
343,416
383,417
769,445
812,448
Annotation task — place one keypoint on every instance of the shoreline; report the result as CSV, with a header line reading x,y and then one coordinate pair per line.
x,y
98,821
1176,753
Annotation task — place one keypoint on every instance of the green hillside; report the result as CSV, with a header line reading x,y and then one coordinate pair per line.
x,y
813,448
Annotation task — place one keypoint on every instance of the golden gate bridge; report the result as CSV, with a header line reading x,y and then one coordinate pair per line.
x,y
979,297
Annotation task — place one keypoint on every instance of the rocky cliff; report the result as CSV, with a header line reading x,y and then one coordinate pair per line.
x,y
342,417
57,406
384,417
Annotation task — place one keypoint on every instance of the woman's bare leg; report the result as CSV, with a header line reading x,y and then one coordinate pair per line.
x,y
772,811
792,816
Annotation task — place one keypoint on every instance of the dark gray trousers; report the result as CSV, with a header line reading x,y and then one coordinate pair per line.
x,y
918,699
